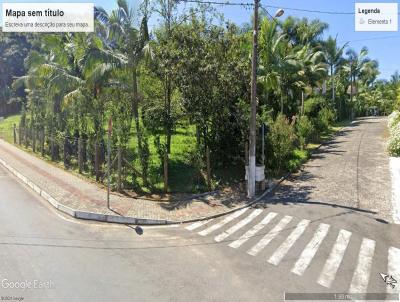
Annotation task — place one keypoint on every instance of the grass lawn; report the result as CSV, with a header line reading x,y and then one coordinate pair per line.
x,y
183,175
6,127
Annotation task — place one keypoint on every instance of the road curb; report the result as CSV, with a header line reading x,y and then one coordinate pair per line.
x,y
86,215
81,214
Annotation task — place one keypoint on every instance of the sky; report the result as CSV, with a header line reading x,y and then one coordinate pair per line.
x,y
382,46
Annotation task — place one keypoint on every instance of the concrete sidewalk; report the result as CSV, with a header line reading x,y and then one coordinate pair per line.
x,y
80,198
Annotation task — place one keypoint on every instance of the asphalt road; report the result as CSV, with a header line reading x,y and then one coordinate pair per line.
x,y
84,261
254,255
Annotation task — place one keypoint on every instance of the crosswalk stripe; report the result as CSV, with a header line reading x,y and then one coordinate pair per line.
x,y
310,250
282,250
271,235
359,283
238,226
335,259
197,224
222,222
250,233
394,267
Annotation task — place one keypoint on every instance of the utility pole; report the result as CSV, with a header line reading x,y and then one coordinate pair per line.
x,y
251,177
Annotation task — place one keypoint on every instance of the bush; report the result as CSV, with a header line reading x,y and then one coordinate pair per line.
x,y
305,130
393,119
320,114
281,138
325,118
313,106
394,140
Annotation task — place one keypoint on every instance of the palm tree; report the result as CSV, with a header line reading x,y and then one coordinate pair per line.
x,y
369,72
120,34
291,58
270,40
313,67
51,75
359,67
395,78
72,73
303,31
334,58
123,36
280,63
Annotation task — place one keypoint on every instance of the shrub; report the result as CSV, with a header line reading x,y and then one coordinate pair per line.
x,y
304,130
394,140
326,117
313,106
320,113
281,138
393,119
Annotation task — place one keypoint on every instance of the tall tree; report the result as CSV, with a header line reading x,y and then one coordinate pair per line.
x,y
121,35
334,58
359,67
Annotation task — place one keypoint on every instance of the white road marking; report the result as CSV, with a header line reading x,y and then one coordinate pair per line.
x,y
271,235
238,226
359,283
335,259
223,222
282,250
250,233
197,224
394,268
310,250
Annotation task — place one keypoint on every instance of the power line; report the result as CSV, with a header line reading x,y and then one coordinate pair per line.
x,y
267,12
247,4
229,3
311,11
264,7
224,3
370,39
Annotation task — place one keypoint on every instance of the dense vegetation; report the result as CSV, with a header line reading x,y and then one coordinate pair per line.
x,y
394,131
178,96
13,50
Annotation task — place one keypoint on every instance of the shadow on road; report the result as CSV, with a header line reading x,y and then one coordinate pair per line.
x,y
314,184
